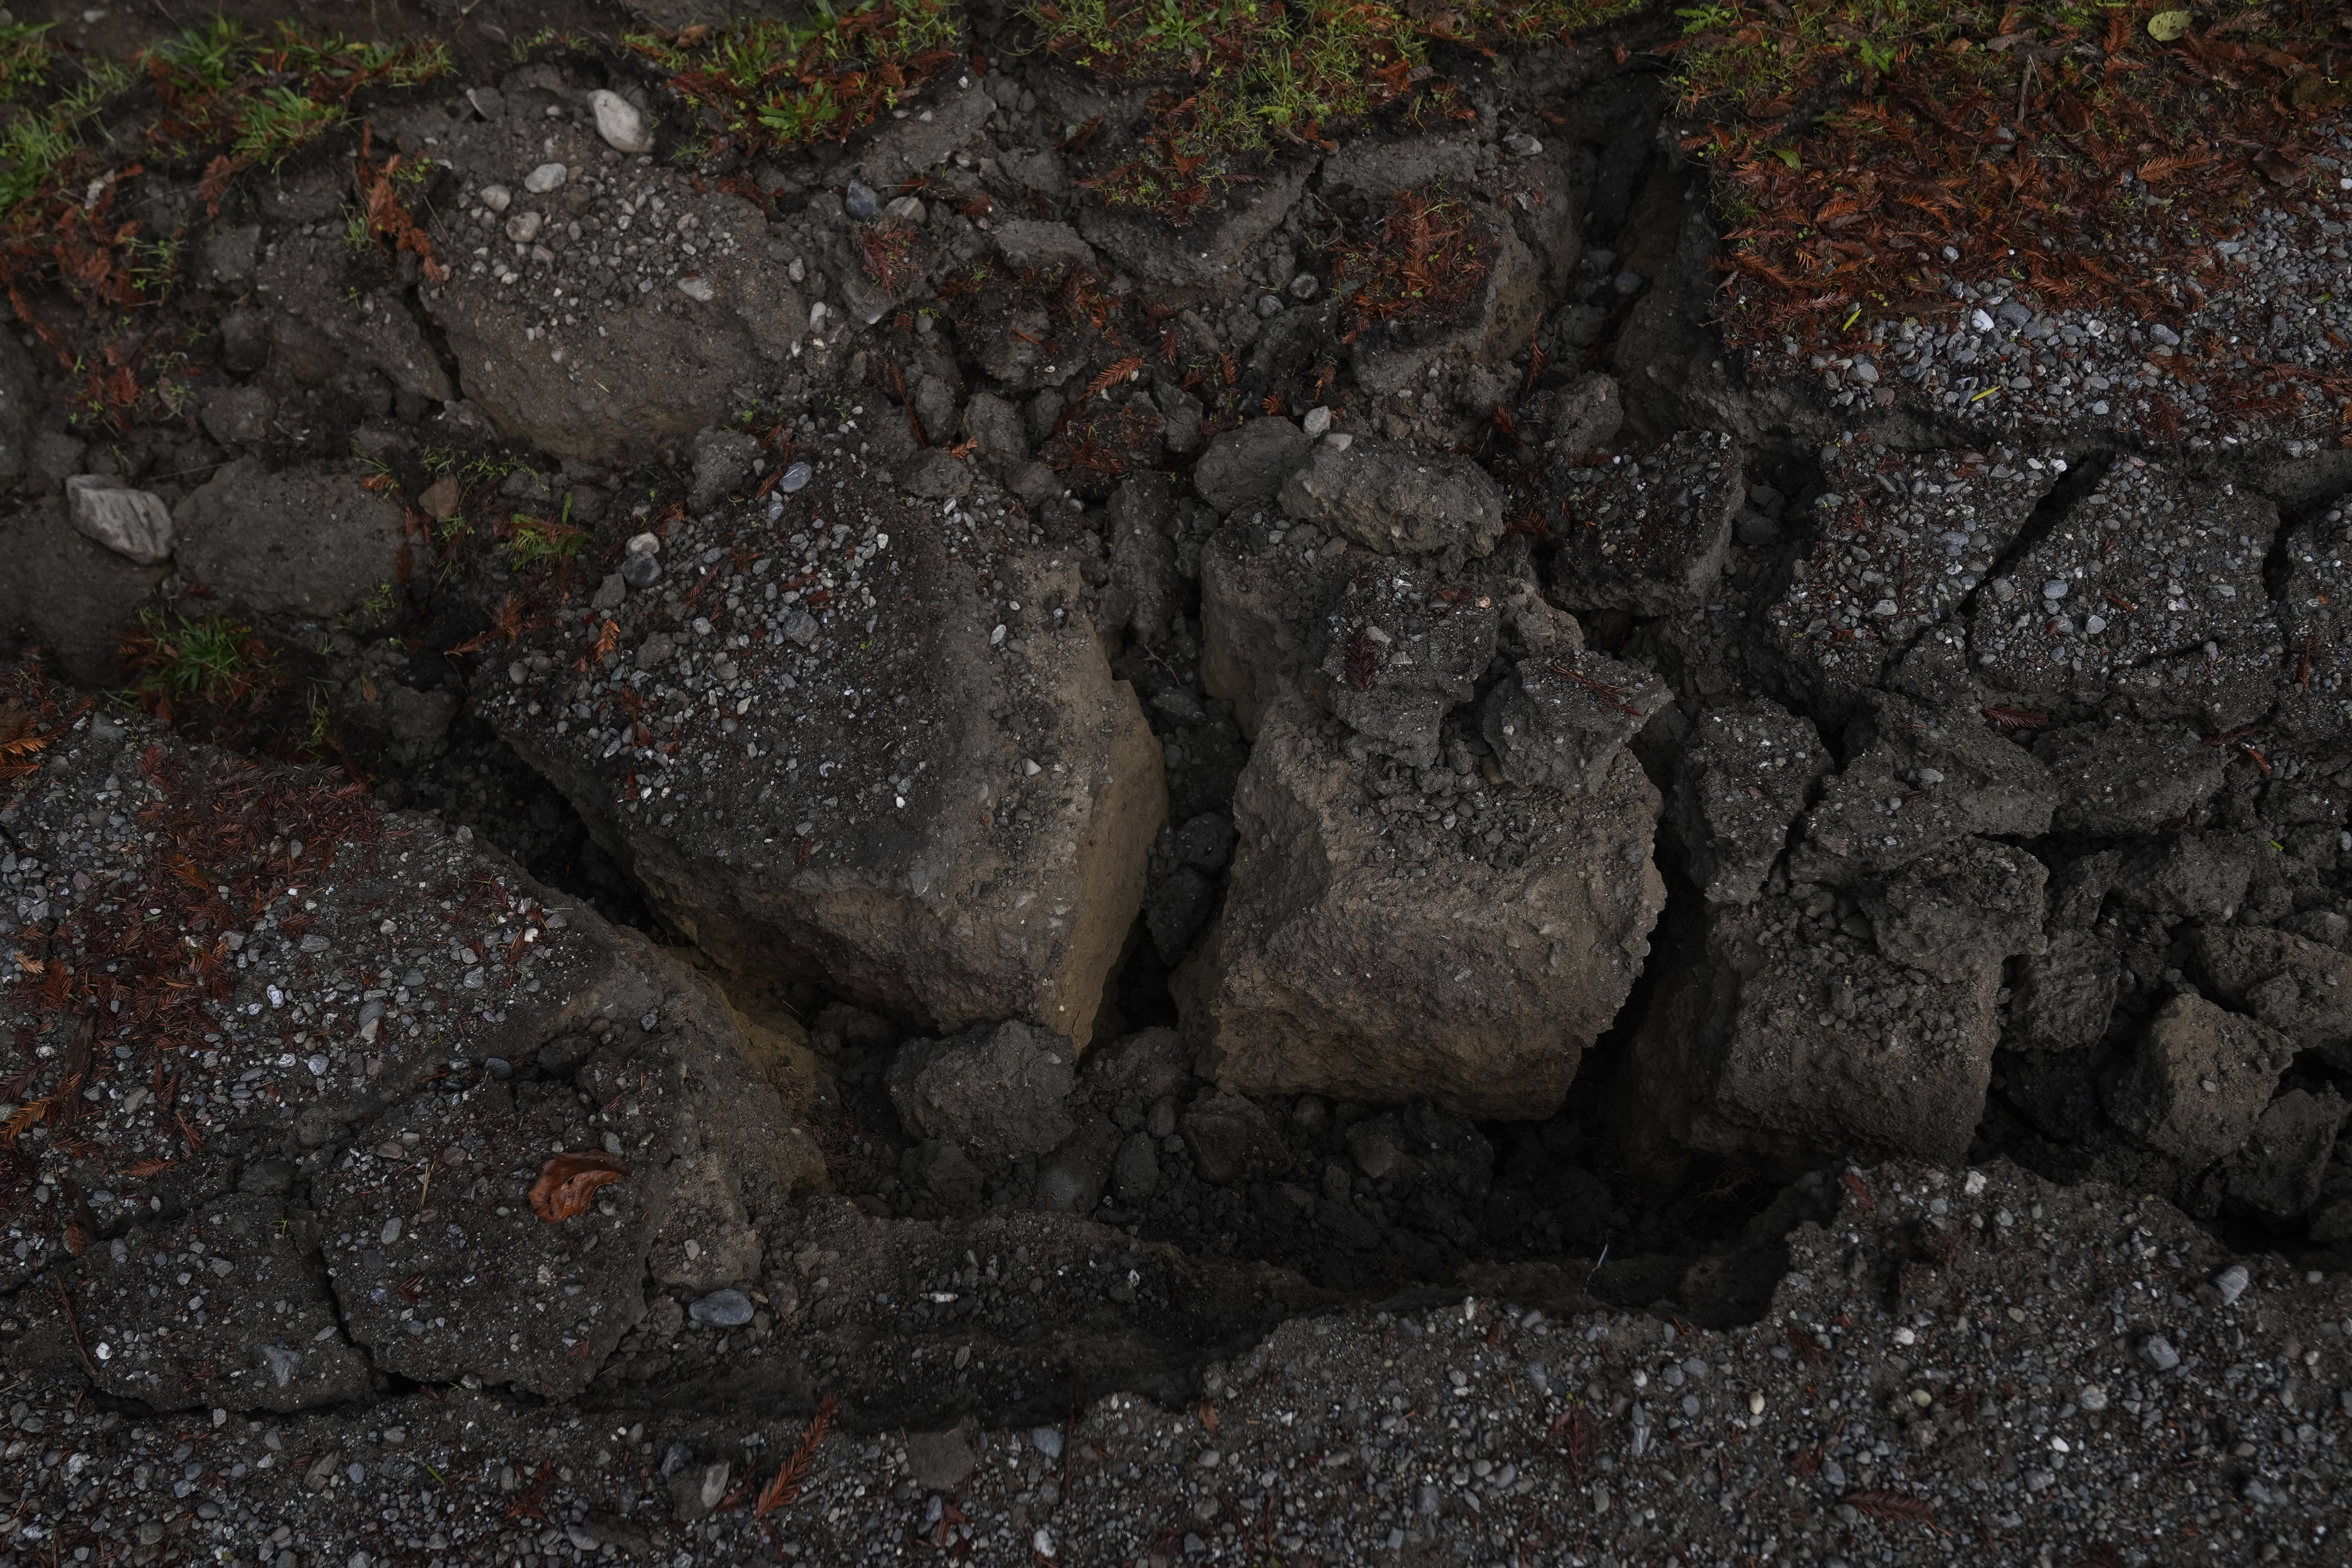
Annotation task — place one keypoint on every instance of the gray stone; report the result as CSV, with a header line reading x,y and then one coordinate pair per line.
x,y
996,425
722,1310
995,1089
1395,499
620,122
935,475
235,416
2200,1081
1249,464
1027,242
134,524
723,463
940,1461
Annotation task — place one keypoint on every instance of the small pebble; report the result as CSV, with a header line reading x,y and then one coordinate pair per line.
x,y
544,179
728,1309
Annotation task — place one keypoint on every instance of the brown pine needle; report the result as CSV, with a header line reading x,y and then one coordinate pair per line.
x,y
786,1487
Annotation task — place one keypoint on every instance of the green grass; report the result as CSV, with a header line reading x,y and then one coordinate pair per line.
x,y
178,662
50,96
1240,79
257,98
542,542
774,84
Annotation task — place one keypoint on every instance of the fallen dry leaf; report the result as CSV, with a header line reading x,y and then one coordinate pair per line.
x,y
567,1182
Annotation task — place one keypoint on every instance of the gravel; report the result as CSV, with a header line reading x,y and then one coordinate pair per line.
x,y
1960,1365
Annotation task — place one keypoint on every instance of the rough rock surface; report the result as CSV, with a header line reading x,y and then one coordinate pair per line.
x,y
1560,720
304,1156
2149,592
1378,945
996,1091
2291,983
307,541
1739,785
1406,647
1248,465
1487,331
1778,1035
2199,1082
1903,539
2123,779
1644,534
1395,500
1263,636
1926,778
900,763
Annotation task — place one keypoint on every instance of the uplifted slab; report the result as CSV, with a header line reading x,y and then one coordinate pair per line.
x,y
853,737
2150,591
1389,936
1904,537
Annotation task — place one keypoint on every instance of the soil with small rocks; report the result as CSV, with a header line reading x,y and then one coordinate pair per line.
x,y
933,868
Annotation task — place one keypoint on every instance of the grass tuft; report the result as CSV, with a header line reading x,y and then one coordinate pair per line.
x,y
766,84
209,668
1238,81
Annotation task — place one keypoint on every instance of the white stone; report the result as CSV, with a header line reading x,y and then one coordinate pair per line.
x,y
544,179
619,122
135,524
1318,420
523,228
498,198
696,288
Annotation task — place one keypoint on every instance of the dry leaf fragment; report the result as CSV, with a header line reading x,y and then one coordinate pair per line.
x,y
2167,25
1209,1417
568,1182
